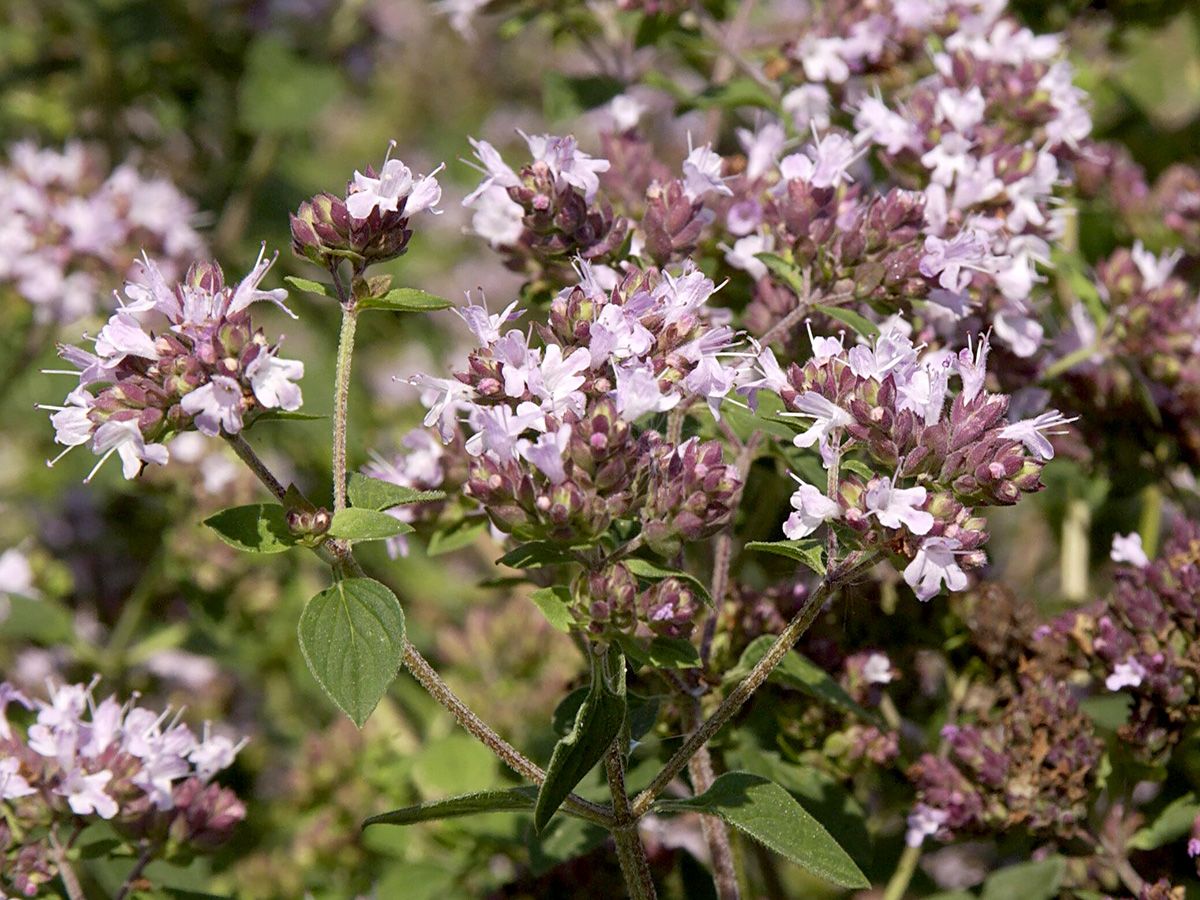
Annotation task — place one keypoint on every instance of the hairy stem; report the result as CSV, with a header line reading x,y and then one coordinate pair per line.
x,y
723,549
147,855
420,667
753,681
832,484
508,754
630,853
716,835
729,49
905,869
341,402
66,874
252,460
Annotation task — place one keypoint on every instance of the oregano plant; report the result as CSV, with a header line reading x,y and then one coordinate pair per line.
x,y
772,364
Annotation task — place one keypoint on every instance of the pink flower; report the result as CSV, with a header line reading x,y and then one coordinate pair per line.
x,y
812,509
547,453
1032,432
1125,674
828,417
933,566
1127,548
898,507
216,405
85,793
702,173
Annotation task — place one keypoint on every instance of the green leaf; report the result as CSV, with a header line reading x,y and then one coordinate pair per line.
x,y
406,300
563,839
1029,881
649,571
1172,823
455,537
859,323
802,674
374,493
352,637
770,815
821,795
308,286
567,96
518,799
554,602
810,552
45,621
280,91
356,524
784,271
454,763
536,554
661,652
285,415
257,528
1108,711
597,724
643,713
745,423
736,92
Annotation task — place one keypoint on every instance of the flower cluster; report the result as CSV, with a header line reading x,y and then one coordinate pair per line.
x,y
1143,638
554,210
370,223
1164,213
1139,342
1030,760
887,403
70,229
551,431
78,761
974,151
207,370
548,213
552,427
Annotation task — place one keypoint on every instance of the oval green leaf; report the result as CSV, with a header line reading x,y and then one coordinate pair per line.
x,y
374,493
406,300
356,524
256,528
352,637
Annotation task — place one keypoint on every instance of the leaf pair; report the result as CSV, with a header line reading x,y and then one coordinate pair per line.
x,y
751,803
398,300
263,527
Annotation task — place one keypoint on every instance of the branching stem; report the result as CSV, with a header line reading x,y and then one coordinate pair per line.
x,y
753,681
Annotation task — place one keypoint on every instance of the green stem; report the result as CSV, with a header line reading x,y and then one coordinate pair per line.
x,y
716,835
427,677
146,857
133,611
252,460
905,869
1150,523
66,874
1073,567
832,486
753,681
1071,360
341,402
477,728
630,853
